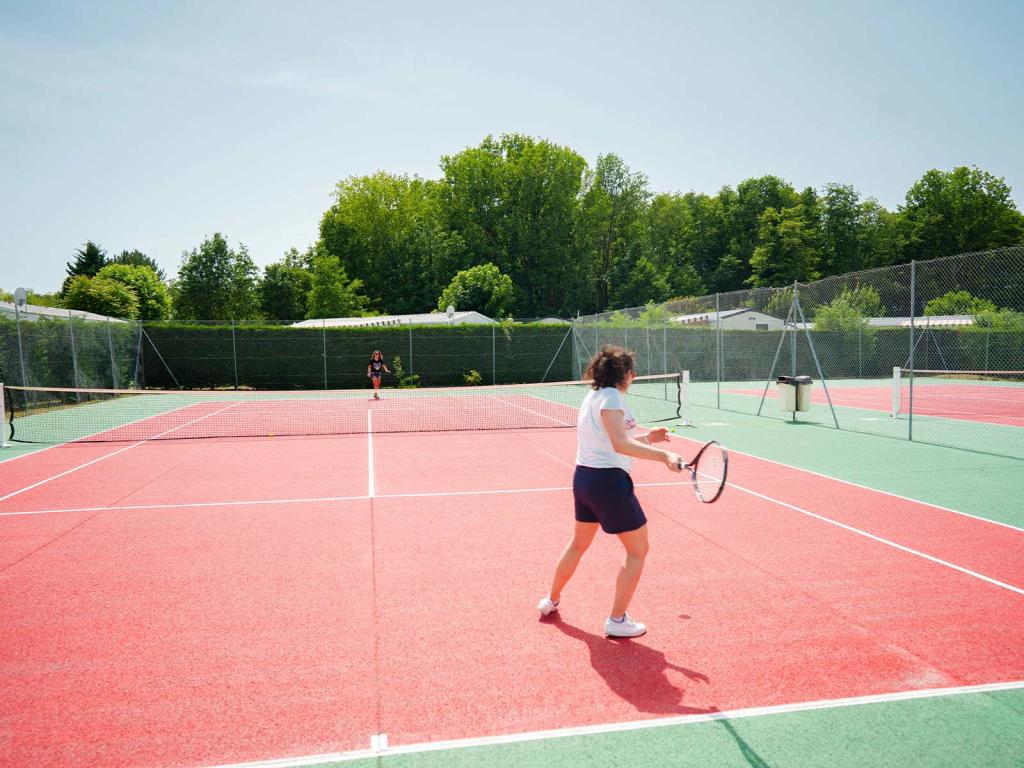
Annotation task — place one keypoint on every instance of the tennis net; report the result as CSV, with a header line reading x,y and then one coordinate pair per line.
x,y
987,396
43,415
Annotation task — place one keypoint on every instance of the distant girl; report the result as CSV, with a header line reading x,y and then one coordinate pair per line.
x,y
375,369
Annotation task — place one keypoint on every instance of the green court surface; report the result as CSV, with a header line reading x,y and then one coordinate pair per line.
x,y
975,730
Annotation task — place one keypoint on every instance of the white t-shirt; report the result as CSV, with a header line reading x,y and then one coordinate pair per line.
x,y
593,448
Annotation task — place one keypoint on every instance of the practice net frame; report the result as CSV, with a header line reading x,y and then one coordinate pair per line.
x,y
59,415
996,396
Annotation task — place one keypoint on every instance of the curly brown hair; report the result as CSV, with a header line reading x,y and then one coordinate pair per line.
x,y
610,367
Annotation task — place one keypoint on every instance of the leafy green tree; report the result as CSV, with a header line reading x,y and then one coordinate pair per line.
x,y
331,293
709,236
5,296
963,210
958,303
611,214
849,312
89,259
154,301
102,296
512,202
216,283
745,209
387,232
481,289
669,246
786,251
139,259
284,290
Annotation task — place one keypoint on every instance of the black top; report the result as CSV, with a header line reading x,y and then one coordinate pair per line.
x,y
376,365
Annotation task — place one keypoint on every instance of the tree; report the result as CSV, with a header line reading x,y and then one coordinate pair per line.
x,y
611,215
512,202
669,238
958,303
744,209
848,312
963,210
481,289
786,251
102,296
154,302
387,232
216,283
284,291
139,259
89,259
331,293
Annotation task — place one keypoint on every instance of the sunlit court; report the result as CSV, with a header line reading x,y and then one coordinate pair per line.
x,y
178,596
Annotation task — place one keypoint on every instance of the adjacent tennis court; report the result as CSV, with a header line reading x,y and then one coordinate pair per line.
x,y
370,596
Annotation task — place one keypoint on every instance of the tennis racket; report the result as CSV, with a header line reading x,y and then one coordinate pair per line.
x,y
708,471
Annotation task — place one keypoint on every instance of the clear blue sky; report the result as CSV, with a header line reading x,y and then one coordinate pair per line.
x,y
152,125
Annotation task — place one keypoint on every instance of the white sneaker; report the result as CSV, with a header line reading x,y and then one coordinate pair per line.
x,y
625,628
546,606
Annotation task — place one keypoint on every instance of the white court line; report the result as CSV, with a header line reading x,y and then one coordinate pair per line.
x,y
879,539
108,455
858,485
315,499
369,447
378,748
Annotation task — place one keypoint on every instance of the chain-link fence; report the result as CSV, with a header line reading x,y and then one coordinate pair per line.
x,y
949,330
69,351
218,356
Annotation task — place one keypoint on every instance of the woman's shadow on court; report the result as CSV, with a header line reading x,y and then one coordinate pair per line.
x,y
635,672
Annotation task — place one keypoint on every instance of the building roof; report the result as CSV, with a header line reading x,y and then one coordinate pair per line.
x,y
712,317
433,318
928,321
35,311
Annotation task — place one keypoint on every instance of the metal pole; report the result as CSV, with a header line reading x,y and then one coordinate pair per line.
x,y
138,358
74,352
234,351
494,364
113,363
718,353
860,356
647,329
792,340
910,362
664,347
410,347
21,349
323,334
988,339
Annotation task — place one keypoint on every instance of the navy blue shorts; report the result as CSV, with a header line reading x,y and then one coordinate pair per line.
x,y
606,496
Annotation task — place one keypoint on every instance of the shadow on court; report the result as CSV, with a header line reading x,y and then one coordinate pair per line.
x,y
635,672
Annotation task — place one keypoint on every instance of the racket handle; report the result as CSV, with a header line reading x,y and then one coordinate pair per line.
x,y
681,465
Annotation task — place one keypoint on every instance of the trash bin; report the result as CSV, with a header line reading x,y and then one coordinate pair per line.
x,y
803,393
787,393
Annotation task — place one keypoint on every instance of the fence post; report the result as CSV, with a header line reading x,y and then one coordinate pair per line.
x,y
860,356
74,352
664,347
988,339
410,346
113,363
138,358
910,384
647,329
323,333
718,352
234,351
494,363
21,349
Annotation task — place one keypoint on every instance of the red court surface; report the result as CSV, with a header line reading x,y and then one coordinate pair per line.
x,y
991,404
229,601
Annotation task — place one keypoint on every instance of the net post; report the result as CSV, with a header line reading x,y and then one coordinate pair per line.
x,y
897,380
3,415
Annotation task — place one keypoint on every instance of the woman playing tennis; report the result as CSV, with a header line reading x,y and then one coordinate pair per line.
x,y
602,488
375,369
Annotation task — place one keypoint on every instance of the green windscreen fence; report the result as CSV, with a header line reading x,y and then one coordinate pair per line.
x,y
287,357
